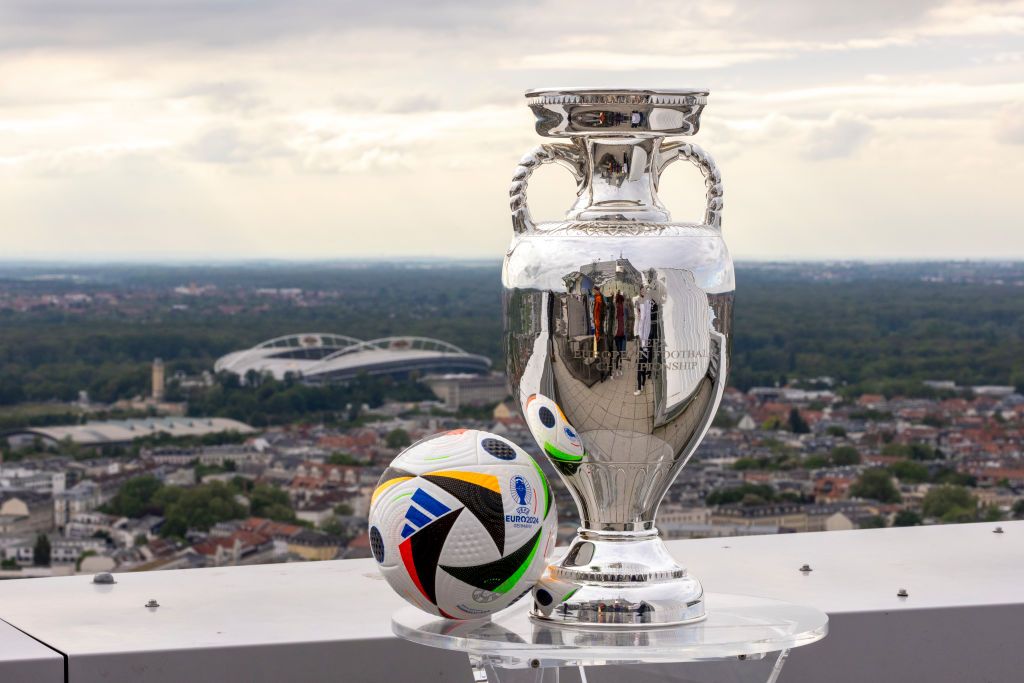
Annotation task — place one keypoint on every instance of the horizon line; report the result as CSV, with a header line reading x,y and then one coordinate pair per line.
x,y
408,259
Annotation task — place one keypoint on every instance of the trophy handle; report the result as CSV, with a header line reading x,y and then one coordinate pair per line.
x,y
673,151
569,156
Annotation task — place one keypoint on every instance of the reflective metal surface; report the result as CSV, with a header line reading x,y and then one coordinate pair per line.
x,y
570,112
617,342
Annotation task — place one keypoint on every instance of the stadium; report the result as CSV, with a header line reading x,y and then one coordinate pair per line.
x,y
317,357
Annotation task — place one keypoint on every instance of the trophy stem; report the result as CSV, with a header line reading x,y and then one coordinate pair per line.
x,y
618,579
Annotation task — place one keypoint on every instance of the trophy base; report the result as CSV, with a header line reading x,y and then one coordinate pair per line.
x,y
611,579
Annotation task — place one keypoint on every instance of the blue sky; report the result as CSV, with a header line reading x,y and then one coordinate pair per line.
x,y
266,128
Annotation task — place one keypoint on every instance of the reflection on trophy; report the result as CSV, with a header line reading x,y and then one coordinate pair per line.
x,y
617,324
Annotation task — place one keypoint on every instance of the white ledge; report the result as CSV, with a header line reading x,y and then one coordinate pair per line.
x,y
331,620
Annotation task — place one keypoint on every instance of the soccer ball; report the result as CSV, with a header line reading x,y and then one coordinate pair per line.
x,y
553,433
461,523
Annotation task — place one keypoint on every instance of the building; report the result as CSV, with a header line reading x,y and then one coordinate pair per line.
x,y
674,514
158,380
313,545
318,357
457,390
239,454
121,432
27,479
234,549
87,524
85,496
791,516
26,512
70,550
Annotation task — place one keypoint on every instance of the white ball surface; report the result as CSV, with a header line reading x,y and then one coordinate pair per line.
x,y
461,523
552,431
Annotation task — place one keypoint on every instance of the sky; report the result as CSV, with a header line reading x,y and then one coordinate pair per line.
x,y
299,129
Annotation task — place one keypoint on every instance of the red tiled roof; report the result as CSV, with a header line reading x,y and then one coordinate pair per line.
x,y
360,541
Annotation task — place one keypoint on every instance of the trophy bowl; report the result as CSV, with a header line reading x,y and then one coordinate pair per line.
x,y
617,324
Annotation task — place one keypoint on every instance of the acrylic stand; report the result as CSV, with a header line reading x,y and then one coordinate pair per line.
x,y
511,646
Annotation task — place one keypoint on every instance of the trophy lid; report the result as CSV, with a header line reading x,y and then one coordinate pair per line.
x,y
572,112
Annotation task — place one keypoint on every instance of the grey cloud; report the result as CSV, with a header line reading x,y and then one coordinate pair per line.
x,y
840,136
402,104
225,96
252,151
413,104
225,23
229,145
812,19
374,158
1009,124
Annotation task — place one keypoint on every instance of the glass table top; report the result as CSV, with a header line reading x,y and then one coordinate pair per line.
x,y
736,626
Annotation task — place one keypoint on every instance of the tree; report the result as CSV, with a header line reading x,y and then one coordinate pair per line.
x,y
747,464
270,502
914,451
813,462
135,497
41,552
949,502
835,430
340,458
81,558
873,522
797,423
876,484
199,507
992,514
906,470
1018,509
739,493
946,475
845,455
397,438
958,515
333,526
906,518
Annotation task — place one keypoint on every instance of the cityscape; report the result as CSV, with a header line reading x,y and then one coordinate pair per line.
x,y
199,447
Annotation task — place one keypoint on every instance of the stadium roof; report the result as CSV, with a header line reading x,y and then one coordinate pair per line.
x,y
125,431
322,357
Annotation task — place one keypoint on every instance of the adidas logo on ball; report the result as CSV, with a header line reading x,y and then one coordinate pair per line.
x,y
461,523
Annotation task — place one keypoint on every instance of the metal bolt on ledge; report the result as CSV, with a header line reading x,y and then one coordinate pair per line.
x,y
902,593
152,604
998,530
103,577
806,569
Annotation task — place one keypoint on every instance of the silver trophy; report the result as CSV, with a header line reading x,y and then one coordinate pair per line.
x,y
617,324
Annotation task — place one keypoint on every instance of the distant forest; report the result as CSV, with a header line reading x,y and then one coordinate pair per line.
x,y
877,328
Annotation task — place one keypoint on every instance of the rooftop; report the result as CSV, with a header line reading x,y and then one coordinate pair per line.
x,y
329,620
124,431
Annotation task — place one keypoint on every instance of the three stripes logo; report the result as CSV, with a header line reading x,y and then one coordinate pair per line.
x,y
423,510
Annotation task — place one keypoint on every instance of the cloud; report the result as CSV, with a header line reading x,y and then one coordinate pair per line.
x,y
1009,124
838,137
230,96
413,104
257,102
332,160
225,23
633,61
230,145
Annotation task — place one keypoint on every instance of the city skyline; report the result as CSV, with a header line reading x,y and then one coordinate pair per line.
x,y
298,131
